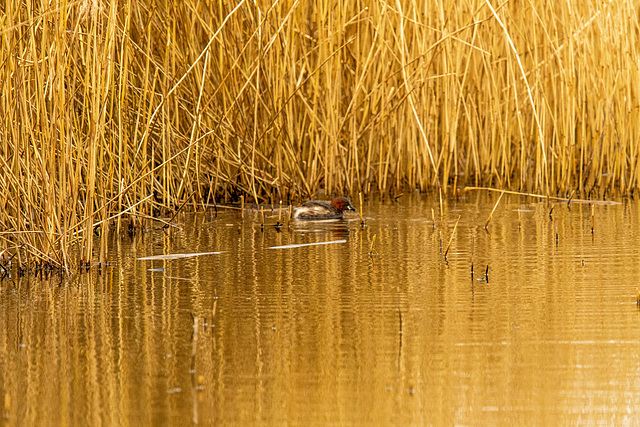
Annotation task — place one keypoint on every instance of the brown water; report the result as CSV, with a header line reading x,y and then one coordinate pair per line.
x,y
329,335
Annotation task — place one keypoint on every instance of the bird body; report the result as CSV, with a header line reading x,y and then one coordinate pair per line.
x,y
318,210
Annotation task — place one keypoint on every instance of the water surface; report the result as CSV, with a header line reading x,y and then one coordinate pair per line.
x,y
265,328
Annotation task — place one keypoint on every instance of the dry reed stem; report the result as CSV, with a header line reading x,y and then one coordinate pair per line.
x,y
453,233
7,405
547,197
372,247
494,209
472,249
441,207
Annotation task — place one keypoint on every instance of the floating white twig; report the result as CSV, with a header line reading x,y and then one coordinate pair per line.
x,y
299,245
176,256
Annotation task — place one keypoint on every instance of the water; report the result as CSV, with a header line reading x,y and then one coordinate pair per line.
x,y
331,335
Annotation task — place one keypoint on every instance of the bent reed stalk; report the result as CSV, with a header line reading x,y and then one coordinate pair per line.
x,y
137,106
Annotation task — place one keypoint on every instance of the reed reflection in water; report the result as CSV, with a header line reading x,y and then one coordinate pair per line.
x,y
327,334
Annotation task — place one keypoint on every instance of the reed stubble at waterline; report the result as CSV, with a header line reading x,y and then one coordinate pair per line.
x,y
113,111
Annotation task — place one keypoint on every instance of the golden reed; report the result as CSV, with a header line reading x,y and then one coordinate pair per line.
x,y
112,111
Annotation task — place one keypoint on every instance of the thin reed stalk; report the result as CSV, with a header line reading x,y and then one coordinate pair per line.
x,y
493,210
453,233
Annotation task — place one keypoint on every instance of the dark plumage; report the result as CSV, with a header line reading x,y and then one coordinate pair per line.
x,y
316,210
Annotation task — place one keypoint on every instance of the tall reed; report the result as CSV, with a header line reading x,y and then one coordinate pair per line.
x,y
133,107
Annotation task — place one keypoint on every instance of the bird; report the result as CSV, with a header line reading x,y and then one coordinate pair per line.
x,y
318,210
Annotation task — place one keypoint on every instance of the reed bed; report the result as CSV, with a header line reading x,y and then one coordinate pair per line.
x,y
117,111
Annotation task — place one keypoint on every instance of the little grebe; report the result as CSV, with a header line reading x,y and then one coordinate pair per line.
x,y
320,209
